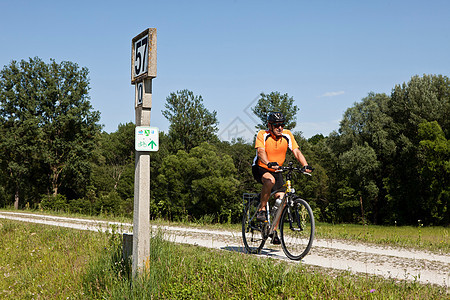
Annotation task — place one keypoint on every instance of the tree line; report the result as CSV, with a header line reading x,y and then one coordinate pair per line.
x,y
388,163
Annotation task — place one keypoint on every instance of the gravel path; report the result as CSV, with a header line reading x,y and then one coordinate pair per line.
x,y
389,262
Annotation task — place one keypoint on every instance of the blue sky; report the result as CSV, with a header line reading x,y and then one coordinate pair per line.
x,y
327,55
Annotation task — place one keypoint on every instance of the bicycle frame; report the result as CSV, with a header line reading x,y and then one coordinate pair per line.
x,y
287,194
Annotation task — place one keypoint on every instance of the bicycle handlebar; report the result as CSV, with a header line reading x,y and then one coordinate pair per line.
x,y
291,168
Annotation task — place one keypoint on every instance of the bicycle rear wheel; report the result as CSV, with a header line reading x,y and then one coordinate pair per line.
x,y
297,229
252,230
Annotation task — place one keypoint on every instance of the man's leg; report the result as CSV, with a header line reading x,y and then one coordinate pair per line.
x,y
268,182
278,195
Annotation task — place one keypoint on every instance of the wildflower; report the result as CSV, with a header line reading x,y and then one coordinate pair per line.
x,y
372,290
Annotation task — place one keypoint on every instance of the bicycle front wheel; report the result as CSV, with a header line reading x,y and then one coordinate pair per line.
x,y
297,229
252,230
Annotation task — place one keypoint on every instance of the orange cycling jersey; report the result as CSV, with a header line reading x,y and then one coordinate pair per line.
x,y
275,147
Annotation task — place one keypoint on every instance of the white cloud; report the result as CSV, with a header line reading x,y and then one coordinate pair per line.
x,y
332,94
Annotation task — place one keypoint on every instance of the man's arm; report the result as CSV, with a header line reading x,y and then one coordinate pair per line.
x,y
299,156
262,155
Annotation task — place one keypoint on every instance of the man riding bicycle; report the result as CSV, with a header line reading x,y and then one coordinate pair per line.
x,y
271,147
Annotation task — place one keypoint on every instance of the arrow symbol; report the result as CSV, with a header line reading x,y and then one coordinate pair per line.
x,y
152,144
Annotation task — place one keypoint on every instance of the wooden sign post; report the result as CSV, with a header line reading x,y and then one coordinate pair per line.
x,y
143,70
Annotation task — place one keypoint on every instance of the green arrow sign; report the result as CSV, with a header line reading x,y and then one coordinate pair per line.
x,y
152,144
147,138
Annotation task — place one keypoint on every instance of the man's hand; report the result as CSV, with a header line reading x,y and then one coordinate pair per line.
x,y
308,168
273,165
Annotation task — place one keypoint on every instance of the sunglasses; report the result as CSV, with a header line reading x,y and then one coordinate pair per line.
x,y
276,125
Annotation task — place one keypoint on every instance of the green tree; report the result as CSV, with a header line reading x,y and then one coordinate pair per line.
x,y
275,102
381,135
364,130
118,150
113,169
315,188
20,135
368,122
358,166
197,183
68,122
50,103
434,157
317,138
191,123
422,99
242,154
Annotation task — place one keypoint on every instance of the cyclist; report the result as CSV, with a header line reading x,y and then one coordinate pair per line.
x,y
271,147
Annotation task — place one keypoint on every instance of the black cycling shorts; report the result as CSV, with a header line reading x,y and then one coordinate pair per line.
x,y
258,172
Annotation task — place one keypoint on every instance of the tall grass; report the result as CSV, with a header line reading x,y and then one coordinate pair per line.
x,y
191,272
433,238
43,262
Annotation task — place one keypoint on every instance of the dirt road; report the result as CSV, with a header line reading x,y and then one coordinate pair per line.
x,y
389,262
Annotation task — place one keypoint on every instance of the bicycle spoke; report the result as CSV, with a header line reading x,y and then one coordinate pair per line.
x,y
251,229
297,229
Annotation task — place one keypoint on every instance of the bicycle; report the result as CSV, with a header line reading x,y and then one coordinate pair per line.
x,y
294,216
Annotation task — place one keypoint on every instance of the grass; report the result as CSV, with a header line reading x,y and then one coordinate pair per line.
x,y
209,274
435,239
45,262
191,272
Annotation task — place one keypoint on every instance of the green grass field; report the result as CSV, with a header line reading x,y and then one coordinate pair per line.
x,y
45,262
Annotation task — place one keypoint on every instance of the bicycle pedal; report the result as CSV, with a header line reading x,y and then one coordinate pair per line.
x,y
296,229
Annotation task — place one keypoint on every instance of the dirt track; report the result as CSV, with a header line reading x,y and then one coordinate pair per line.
x,y
399,263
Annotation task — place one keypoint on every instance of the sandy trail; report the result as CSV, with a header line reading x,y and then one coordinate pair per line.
x,y
399,263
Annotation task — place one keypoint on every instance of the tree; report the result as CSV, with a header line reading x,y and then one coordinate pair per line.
x,y
20,134
393,142
434,157
19,148
118,150
364,129
359,165
242,154
50,102
197,183
190,122
68,122
368,122
113,169
275,102
422,99
314,140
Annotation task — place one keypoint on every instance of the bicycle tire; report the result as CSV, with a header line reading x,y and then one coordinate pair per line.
x,y
252,230
297,229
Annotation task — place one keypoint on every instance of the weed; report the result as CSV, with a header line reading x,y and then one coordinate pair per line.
x,y
89,265
43,262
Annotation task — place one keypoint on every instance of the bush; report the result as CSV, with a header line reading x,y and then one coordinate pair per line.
x,y
56,203
81,206
109,204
